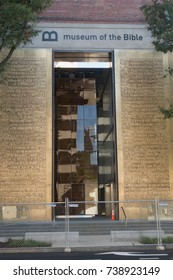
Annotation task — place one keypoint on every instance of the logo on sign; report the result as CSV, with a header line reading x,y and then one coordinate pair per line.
x,y
50,36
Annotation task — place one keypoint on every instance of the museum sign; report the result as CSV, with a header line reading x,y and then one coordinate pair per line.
x,y
82,36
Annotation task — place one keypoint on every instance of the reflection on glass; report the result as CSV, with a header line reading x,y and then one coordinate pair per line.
x,y
105,136
90,111
80,135
84,139
77,135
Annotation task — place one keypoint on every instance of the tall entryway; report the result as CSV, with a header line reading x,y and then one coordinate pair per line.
x,y
84,130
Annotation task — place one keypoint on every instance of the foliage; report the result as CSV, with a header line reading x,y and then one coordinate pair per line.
x,y
154,240
159,16
18,20
13,243
167,240
148,240
168,113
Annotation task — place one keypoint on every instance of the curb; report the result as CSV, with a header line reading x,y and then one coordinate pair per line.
x,y
81,249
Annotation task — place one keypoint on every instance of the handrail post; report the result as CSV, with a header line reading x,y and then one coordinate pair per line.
x,y
159,245
67,248
124,215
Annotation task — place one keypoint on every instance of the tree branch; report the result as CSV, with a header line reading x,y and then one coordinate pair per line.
x,y
7,58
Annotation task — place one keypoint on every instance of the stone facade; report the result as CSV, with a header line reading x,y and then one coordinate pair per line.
x,y
145,142
25,127
144,138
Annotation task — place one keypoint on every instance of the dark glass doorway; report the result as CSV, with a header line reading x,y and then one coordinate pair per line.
x,y
84,128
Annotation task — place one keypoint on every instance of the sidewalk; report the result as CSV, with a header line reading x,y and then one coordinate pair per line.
x,y
88,245
110,235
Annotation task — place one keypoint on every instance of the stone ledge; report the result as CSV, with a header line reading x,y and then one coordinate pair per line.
x,y
131,235
52,236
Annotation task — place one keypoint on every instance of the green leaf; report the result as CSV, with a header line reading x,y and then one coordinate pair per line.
x,y
18,20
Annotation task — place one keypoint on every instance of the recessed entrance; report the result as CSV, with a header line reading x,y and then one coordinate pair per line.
x,y
85,150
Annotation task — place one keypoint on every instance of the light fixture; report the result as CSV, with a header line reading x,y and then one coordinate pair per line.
x,y
68,64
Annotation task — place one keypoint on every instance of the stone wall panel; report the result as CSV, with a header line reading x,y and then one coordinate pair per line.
x,y
144,166
25,120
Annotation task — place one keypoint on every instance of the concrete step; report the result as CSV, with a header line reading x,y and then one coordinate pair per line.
x,y
89,227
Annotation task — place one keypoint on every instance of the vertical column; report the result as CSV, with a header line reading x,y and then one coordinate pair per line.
x,y
142,133
26,130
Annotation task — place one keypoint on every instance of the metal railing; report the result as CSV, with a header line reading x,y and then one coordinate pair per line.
x,y
87,224
125,216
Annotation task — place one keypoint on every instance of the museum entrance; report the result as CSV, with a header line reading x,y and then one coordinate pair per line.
x,y
84,130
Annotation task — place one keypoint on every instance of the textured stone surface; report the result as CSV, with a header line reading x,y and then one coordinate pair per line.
x,y
145,157
24,128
